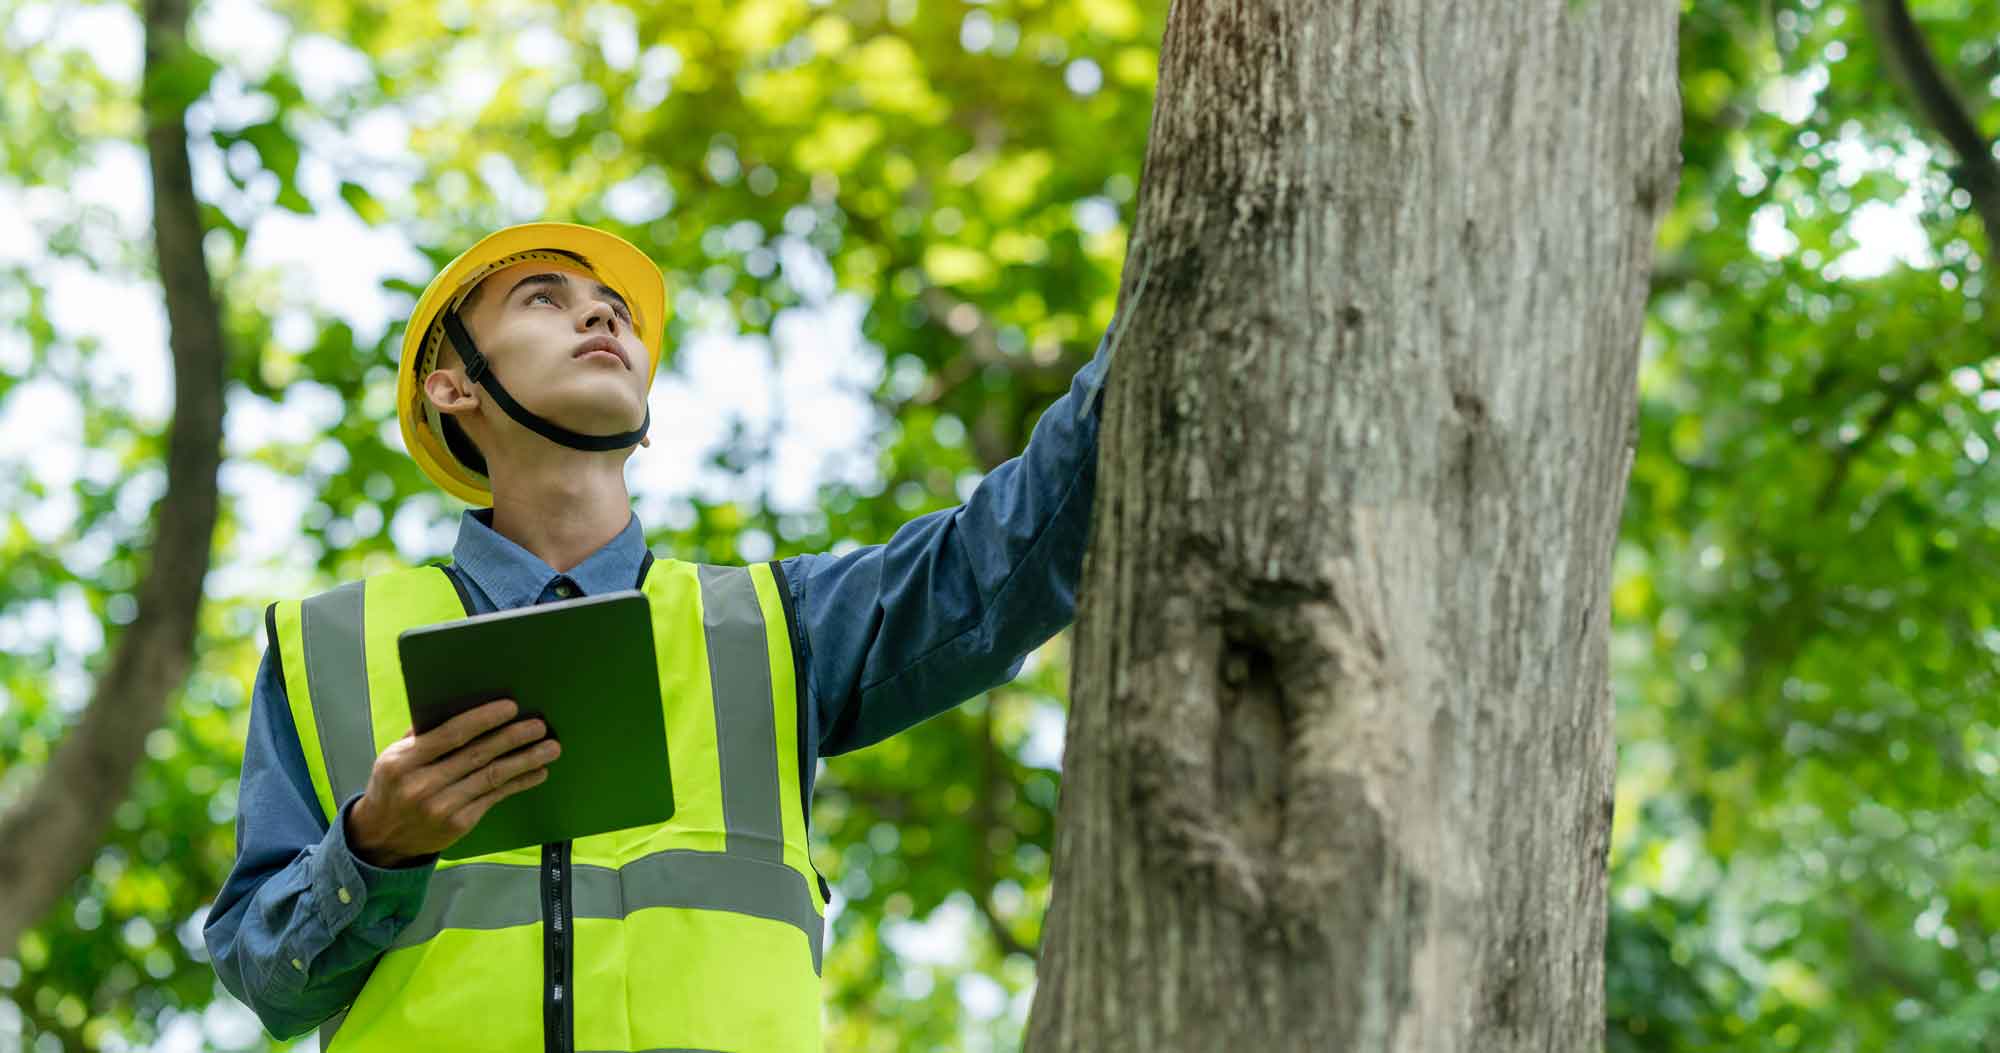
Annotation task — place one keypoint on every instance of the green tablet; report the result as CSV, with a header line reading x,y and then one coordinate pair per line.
x,y
585,666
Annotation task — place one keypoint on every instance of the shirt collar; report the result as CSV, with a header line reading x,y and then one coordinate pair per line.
x,y
512,576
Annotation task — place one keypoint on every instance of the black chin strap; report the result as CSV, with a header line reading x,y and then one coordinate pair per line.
x,y
480,372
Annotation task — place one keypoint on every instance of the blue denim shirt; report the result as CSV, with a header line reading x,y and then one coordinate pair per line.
x,y
892,634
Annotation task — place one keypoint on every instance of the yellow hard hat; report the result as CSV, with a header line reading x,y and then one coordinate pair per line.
x,y
616,262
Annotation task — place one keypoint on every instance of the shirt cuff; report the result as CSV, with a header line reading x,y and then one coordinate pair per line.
x,y
1092,375
348,889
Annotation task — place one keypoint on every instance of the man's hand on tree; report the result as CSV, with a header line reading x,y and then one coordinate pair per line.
x,y
426,791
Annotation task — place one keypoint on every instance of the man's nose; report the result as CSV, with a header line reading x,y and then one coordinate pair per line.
x,y
601,311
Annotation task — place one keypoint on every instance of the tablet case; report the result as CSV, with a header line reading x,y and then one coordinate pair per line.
x,y
586,667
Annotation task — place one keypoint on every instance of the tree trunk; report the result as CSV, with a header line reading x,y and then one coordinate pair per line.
x,y
1339,768
53,832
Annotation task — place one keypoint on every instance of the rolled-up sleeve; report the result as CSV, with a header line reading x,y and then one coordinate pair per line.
x,y
954,601
301,920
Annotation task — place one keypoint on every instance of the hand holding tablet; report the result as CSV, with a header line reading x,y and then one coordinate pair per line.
x,y
580,671
427,791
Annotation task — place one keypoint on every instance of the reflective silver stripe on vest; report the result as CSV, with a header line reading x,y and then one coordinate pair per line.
x,y
337,680
502,895
746,735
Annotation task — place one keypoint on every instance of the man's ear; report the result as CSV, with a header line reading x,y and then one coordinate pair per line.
x,y
450,392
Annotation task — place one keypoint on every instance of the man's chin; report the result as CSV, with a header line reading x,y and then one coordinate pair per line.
x,y
595,412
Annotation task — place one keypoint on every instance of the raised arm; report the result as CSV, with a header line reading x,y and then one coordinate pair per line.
x,y
953,603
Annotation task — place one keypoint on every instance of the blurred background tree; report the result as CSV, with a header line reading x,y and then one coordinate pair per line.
x,y
1806,646
53,831
893,230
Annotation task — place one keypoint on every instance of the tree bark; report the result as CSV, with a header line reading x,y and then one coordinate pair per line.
x,y
1339,772
52,833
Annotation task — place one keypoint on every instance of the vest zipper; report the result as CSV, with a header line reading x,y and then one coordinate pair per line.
x,y
558,960
558,929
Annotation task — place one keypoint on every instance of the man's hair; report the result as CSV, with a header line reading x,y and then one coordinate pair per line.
x,y
455,438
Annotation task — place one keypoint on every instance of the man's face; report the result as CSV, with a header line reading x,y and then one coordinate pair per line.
x,y
564,345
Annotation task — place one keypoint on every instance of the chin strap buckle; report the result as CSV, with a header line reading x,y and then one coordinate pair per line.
x,y
475,363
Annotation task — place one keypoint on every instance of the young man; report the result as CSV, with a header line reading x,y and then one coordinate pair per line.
x,y
524,374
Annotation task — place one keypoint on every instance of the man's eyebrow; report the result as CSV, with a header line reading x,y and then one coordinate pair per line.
x,y
562,281
538,279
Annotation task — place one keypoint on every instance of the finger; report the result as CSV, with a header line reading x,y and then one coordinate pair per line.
x,y
471,812
462,729
492,776
482,751
393,761
417,782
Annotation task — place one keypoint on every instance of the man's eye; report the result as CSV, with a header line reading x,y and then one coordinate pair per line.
x,y
541,296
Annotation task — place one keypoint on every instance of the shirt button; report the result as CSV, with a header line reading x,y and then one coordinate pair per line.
x,y
344,897
565,589
299,965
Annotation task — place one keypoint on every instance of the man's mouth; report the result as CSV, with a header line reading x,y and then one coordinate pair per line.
x,y
602,343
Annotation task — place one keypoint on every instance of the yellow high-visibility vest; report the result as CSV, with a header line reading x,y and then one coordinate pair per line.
x,y
704,932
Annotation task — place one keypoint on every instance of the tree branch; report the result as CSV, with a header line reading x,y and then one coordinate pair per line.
x,y
1978,174
1878,962
1008,944
984,820
1909,54
52,834
1894,398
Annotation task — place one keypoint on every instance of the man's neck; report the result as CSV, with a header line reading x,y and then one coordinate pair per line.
x,y
563,512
